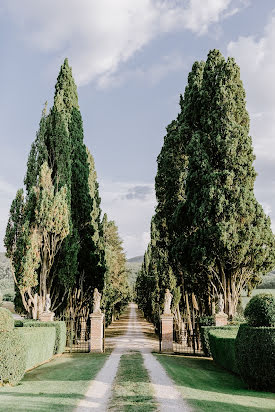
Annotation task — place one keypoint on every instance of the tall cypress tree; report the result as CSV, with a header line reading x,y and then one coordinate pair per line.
x,y
59,142
229,238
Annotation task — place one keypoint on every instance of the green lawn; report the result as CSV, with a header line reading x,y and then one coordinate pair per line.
x,y
55,386
208,387
132,390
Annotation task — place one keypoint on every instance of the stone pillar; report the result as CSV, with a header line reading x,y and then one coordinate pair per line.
x,y
46,316
221,319
167,333
96,341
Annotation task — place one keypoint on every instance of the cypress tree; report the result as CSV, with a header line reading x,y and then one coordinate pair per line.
x,y
59,142
229,238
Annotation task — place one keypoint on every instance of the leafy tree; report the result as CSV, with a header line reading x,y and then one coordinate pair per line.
x,y
32,246
116,291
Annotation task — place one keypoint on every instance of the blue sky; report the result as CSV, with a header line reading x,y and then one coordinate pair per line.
x,y
130,59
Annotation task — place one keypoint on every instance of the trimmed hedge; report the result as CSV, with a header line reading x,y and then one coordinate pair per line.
x,y
12,357
205,336
60,328
39,343
6,320
255,355
222,346
260,310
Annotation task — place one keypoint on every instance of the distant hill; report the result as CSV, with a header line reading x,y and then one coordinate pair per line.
x,y
136,259
133,265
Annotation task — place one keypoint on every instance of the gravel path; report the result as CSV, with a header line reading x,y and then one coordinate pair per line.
x,y
137,337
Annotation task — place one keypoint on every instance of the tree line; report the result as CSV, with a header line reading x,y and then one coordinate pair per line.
x,y
209,234
56,238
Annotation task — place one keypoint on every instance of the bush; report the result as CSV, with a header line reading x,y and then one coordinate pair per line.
x,y
8,297
260,310
255,355
6,320
205,336
39,343
12,357
60,328
222,346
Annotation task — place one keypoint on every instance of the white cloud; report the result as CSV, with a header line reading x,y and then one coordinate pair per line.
x,y
131,213
256,58
153,74
100,35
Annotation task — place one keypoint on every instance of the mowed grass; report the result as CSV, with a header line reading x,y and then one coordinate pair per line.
x,y
208,387
132,390
56,386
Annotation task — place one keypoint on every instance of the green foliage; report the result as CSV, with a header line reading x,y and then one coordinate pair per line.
x,y
205,330
268,281
209,232
260,310
8,297
255,355
222,347
60,329
6,320
12,357
116,292
39,344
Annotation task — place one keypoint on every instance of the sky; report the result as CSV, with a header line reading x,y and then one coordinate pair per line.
x,y
130,60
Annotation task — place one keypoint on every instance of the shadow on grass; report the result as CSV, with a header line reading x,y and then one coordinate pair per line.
x,y
208,387
56,386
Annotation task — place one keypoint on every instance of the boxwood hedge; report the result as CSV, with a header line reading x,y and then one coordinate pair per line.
x,y
255,355
205,336
12,357
6,320
39,344
222,346
60,328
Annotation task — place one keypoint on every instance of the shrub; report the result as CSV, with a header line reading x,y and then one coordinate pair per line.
x,y
12,357
222,346
8,297
6,320
205,336
260,310
255,355
39,345
60,328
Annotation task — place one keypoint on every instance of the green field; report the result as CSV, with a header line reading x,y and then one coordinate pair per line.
x,y
56,386
208,387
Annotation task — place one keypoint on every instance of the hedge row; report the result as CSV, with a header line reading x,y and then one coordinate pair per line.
x,y
22,348
222,344
39,344
60,328
12,357
255,355
205,336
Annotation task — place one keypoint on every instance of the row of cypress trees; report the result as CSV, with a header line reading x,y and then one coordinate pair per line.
x,y
76,261
209,234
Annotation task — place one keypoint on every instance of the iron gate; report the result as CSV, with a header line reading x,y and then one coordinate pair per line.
x,y
77,333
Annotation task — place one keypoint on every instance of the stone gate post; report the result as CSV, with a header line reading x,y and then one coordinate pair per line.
x,y
96,339
166,333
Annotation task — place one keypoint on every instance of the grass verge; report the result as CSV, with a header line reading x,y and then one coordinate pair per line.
x,y
56,386
208,387
132,390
